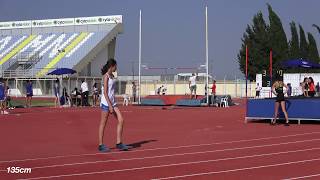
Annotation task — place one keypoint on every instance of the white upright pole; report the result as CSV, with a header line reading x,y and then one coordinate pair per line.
x,y
140,58
207,56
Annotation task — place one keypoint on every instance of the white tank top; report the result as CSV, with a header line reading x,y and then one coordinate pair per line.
x,y
111,86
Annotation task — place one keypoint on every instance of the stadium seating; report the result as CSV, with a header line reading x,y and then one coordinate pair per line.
x,y
54,50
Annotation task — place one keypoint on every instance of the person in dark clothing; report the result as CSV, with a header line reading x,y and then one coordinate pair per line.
x,y
76,97
278,90
29,93
134,91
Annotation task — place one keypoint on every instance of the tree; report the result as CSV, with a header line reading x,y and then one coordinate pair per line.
x,y
294,50
313,53
317,27
256,38
303,44
278,39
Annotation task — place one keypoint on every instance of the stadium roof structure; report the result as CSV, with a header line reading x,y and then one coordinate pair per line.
x,y
35,47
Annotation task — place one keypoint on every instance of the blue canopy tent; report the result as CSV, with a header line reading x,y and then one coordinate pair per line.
x,y
300,63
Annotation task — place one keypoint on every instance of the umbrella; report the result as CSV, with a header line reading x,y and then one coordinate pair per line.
x,y
62,71
295,63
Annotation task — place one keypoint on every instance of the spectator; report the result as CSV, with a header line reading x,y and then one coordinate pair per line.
x,y
305,87
289,90
301,89
65,97
159,90
164,90
95,94
134,91
213,92
29,93
317,89
56,89
8,100
193,85
258,90
2,97
85,93
76,97
312,88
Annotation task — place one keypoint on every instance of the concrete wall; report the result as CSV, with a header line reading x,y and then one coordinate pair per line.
x,y
233,88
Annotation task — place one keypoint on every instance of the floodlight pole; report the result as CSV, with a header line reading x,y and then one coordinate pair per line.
x,y
207,57
139,100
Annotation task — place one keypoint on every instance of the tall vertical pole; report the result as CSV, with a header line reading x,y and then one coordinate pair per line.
x,y
246,84
140,58
207,56
270,71
246,71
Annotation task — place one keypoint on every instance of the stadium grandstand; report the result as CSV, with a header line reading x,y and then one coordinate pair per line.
x,y
31,49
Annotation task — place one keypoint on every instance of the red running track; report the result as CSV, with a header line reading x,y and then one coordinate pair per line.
x,y
178,143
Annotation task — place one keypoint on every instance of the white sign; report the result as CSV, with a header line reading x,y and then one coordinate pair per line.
x,y
62,22
98,20
15,24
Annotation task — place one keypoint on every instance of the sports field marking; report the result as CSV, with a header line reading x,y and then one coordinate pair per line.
x,y
303,177
164,148
240,169
179,154
191,163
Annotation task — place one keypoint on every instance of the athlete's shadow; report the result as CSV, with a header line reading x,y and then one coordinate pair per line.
x,y
140,143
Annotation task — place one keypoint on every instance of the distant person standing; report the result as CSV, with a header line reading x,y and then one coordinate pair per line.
x,y
213,92
56,90
278,90
29,93
193,85
8,100
85,93
289,90
134,91
258,90
95,94
2,97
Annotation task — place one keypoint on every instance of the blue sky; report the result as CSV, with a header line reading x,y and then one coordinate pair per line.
x,y
173,30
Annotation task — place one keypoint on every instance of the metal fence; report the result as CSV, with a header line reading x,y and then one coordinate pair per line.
x,y
44,86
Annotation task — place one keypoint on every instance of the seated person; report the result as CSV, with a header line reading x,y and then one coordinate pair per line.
x,y
65,99
76,97
312,88
164,91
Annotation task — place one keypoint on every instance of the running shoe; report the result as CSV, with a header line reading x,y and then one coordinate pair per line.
x,y
103,148
122,147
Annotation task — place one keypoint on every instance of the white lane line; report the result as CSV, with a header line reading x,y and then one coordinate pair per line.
x,y
176,164
240,169
155,149
303,177
173,155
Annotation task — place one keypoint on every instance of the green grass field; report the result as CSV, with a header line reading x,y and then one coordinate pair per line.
x,y
35,102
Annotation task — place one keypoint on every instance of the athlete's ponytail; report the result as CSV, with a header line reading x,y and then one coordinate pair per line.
x,y
110,63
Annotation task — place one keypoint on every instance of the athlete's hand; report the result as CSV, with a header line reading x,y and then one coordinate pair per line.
x,y
111,110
